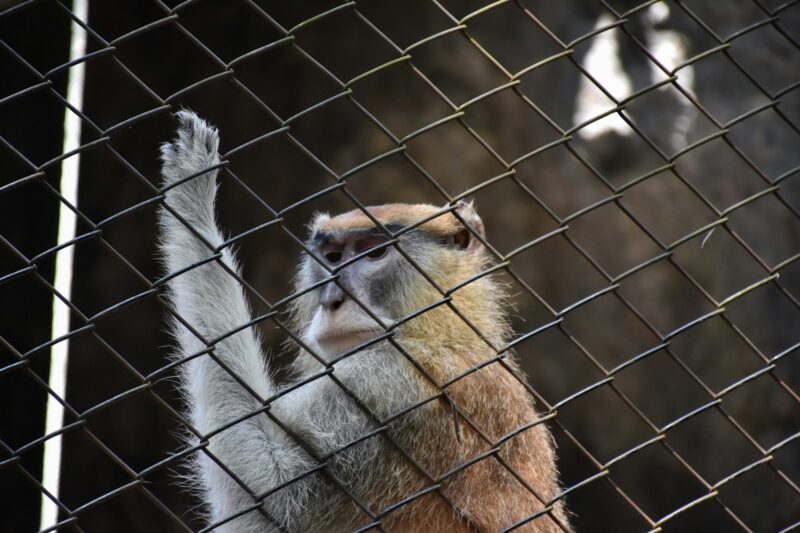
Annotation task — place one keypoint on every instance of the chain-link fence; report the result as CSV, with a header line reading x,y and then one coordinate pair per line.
x,y
635,165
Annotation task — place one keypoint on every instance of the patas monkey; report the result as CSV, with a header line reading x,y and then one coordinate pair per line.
x,y
471,458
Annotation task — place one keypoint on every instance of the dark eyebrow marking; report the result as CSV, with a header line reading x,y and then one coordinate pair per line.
x,y
322,238
378,232
325,236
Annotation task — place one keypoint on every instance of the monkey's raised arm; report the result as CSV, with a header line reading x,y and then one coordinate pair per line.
x,y
210,299
207,296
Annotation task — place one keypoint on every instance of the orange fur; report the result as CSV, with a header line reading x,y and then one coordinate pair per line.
x,y
492,398
404,214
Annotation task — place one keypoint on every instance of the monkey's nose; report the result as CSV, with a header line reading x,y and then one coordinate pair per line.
x,y
332,297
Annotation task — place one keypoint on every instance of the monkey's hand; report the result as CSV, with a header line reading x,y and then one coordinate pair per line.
x,y
189,190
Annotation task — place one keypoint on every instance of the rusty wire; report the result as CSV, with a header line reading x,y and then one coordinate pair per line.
x,y
225,72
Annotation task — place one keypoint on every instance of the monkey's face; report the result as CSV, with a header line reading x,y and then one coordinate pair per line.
x,y
375,286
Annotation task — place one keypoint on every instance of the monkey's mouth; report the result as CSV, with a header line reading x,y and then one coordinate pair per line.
x,y
343,341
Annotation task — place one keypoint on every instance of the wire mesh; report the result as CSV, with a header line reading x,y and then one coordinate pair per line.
x,y
655,264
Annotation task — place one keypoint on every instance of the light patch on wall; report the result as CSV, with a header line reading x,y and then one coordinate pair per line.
x,y
603,63
669,48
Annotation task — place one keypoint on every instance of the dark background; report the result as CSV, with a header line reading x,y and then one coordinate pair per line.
x,y
755,77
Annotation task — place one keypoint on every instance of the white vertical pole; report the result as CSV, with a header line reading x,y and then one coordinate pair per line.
x,y
54,418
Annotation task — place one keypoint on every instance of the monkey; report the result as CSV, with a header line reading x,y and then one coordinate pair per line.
x,y
400,414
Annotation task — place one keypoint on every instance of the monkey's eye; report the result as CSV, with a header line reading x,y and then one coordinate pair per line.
x,y
377,254
362,245
332,255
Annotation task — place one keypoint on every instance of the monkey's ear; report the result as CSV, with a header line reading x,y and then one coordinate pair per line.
x,y
317,220
467,239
